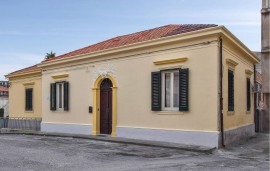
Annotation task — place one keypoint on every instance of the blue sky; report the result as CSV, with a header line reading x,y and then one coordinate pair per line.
x,y
31,28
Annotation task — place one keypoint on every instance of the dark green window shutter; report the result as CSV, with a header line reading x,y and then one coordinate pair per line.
x,y
26,99
53,97
230,90
183,89
29,99
248,95
156,91
66,96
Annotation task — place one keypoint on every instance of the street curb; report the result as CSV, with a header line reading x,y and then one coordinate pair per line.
x,y
149,143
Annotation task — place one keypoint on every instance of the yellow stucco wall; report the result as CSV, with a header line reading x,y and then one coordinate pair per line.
x,y
17,96
240,116
133,79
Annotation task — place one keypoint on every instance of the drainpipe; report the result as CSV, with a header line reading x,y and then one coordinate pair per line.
x,y
220,92
255,101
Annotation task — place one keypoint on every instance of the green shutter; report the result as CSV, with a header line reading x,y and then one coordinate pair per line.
x,y
29,99
230,90
248,95
183,89
156,91
53,97
26,99
66,96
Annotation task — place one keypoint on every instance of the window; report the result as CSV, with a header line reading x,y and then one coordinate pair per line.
x,y
170,90
248,94
29,99
59,96
230,90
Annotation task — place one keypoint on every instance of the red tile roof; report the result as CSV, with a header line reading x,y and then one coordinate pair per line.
x,y
155,33
3,88
28,69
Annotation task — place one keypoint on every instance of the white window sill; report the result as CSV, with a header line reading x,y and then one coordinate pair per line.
x,y
169,113
59,111
29,111
230,113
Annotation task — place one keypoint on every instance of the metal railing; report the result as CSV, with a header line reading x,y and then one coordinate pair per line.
x,y
24,123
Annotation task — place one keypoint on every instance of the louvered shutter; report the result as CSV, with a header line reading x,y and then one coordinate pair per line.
x,y
156,91
248,95
53,97
31,99
230,90
66,96
183,89
26,100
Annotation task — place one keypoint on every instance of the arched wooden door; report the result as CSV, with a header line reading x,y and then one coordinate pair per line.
x,y
106,106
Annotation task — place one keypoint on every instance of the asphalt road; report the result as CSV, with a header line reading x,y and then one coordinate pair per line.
x,y
29,152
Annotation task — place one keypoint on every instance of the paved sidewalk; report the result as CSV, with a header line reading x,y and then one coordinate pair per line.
x,y
169,145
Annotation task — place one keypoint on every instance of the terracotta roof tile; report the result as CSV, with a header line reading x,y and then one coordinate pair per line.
x,y
155,33
28,69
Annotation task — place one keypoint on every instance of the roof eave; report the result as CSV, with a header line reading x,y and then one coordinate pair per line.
x,y
23,74
242,46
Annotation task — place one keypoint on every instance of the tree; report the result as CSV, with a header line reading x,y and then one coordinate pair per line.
x,y
50,55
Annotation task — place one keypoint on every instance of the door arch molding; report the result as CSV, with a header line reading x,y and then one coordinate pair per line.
x,y
96,106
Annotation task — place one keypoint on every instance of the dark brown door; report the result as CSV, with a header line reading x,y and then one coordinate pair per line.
x,y
106,106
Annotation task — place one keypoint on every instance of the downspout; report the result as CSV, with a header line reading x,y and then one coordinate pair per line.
x,y
220,92
255,101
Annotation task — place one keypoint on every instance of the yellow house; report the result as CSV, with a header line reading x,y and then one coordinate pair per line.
x,y
189,84
25,92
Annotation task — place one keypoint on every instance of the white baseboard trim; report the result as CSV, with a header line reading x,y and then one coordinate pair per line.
x,y
66,128
208,139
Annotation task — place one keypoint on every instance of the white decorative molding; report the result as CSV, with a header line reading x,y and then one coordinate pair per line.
x,y
105,71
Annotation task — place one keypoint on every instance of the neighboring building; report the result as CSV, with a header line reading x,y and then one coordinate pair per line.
x,y
259,96
265,56
4,83
263,115
4,99
165,84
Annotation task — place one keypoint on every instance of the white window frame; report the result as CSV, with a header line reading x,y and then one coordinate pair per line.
x,y
58,96
171,108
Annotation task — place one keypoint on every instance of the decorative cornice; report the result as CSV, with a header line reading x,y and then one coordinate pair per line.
x,y
170,61
60,76
28,84
231,62
248,72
